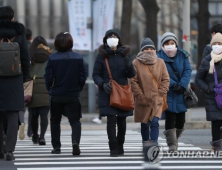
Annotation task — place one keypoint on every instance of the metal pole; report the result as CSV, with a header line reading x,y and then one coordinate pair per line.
x,y
91,85
186,33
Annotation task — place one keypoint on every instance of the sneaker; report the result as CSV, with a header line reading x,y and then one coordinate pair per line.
x,y
56,151
97,120
75,149
22,131
2,156
42,142
10,156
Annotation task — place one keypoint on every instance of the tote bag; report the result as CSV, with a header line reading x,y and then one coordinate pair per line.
x,y
121,96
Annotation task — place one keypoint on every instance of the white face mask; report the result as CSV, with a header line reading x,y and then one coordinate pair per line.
x,y
217,49
112,42
169,47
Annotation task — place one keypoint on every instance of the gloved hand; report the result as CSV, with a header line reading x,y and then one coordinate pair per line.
x,y
107,87
178,89
127,61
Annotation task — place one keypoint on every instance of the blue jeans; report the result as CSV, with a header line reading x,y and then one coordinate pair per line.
x,y
150,130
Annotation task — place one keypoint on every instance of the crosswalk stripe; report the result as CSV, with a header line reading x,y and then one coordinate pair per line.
x,y
95,154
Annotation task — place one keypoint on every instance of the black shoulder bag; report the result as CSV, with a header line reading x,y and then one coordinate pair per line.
x,y
190,98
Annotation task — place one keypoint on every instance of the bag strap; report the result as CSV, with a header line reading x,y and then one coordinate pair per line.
x,y
107,65
152,76
9,40
174,70
215,76
37,72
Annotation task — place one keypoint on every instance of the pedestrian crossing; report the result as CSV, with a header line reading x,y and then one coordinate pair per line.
x,y
95,154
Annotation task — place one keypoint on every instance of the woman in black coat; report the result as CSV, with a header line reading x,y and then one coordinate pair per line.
x,y
205,80
121,69
11,88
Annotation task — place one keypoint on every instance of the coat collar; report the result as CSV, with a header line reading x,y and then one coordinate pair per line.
x,y
10,28
105,51
168,59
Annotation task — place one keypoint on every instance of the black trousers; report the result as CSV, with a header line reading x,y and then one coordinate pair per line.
x,y
43,113
69,107
215,130
12,130
174,120
111,128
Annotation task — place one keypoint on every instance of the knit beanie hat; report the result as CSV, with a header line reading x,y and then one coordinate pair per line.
x,y
112,31
168,36
216,38
147,42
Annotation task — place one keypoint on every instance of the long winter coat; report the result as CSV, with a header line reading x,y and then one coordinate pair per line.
x,y
182,65
148,97
40,94
205,81
11,88
120,74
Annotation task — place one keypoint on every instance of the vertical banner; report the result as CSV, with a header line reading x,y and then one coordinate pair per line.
x,y
103,17
79,23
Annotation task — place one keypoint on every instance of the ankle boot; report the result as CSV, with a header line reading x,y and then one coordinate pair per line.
x,y
120,146
178,133
216,146
171,139
114,149
146,146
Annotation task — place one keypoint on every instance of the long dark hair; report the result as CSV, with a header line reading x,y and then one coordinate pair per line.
x,y
37,40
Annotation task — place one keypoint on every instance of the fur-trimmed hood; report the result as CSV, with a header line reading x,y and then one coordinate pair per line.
x,y
105,51
44,47
41,54
11,28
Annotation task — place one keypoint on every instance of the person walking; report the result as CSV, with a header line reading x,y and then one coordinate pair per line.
x,y
205,80
39,105
65,76
217,28
11,88
179,69
121,69
149,87
29,42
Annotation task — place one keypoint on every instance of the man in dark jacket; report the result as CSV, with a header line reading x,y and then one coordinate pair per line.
x,y
215,29
11,88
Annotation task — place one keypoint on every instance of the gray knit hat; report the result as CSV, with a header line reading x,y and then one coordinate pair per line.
x,y
147,42
168,36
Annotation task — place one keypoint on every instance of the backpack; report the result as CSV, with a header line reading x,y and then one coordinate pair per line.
x,y
10,63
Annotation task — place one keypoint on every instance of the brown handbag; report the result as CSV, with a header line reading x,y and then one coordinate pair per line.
x,y
121,96
165,106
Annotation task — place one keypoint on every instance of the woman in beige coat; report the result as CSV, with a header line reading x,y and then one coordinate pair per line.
x,y
148,96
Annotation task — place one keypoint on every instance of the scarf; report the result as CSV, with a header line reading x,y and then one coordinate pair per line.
x,y
170,53
214,59
147,57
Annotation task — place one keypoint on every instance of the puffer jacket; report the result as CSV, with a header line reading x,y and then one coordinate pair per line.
x,y
206,82
182,65
120,74
40,96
